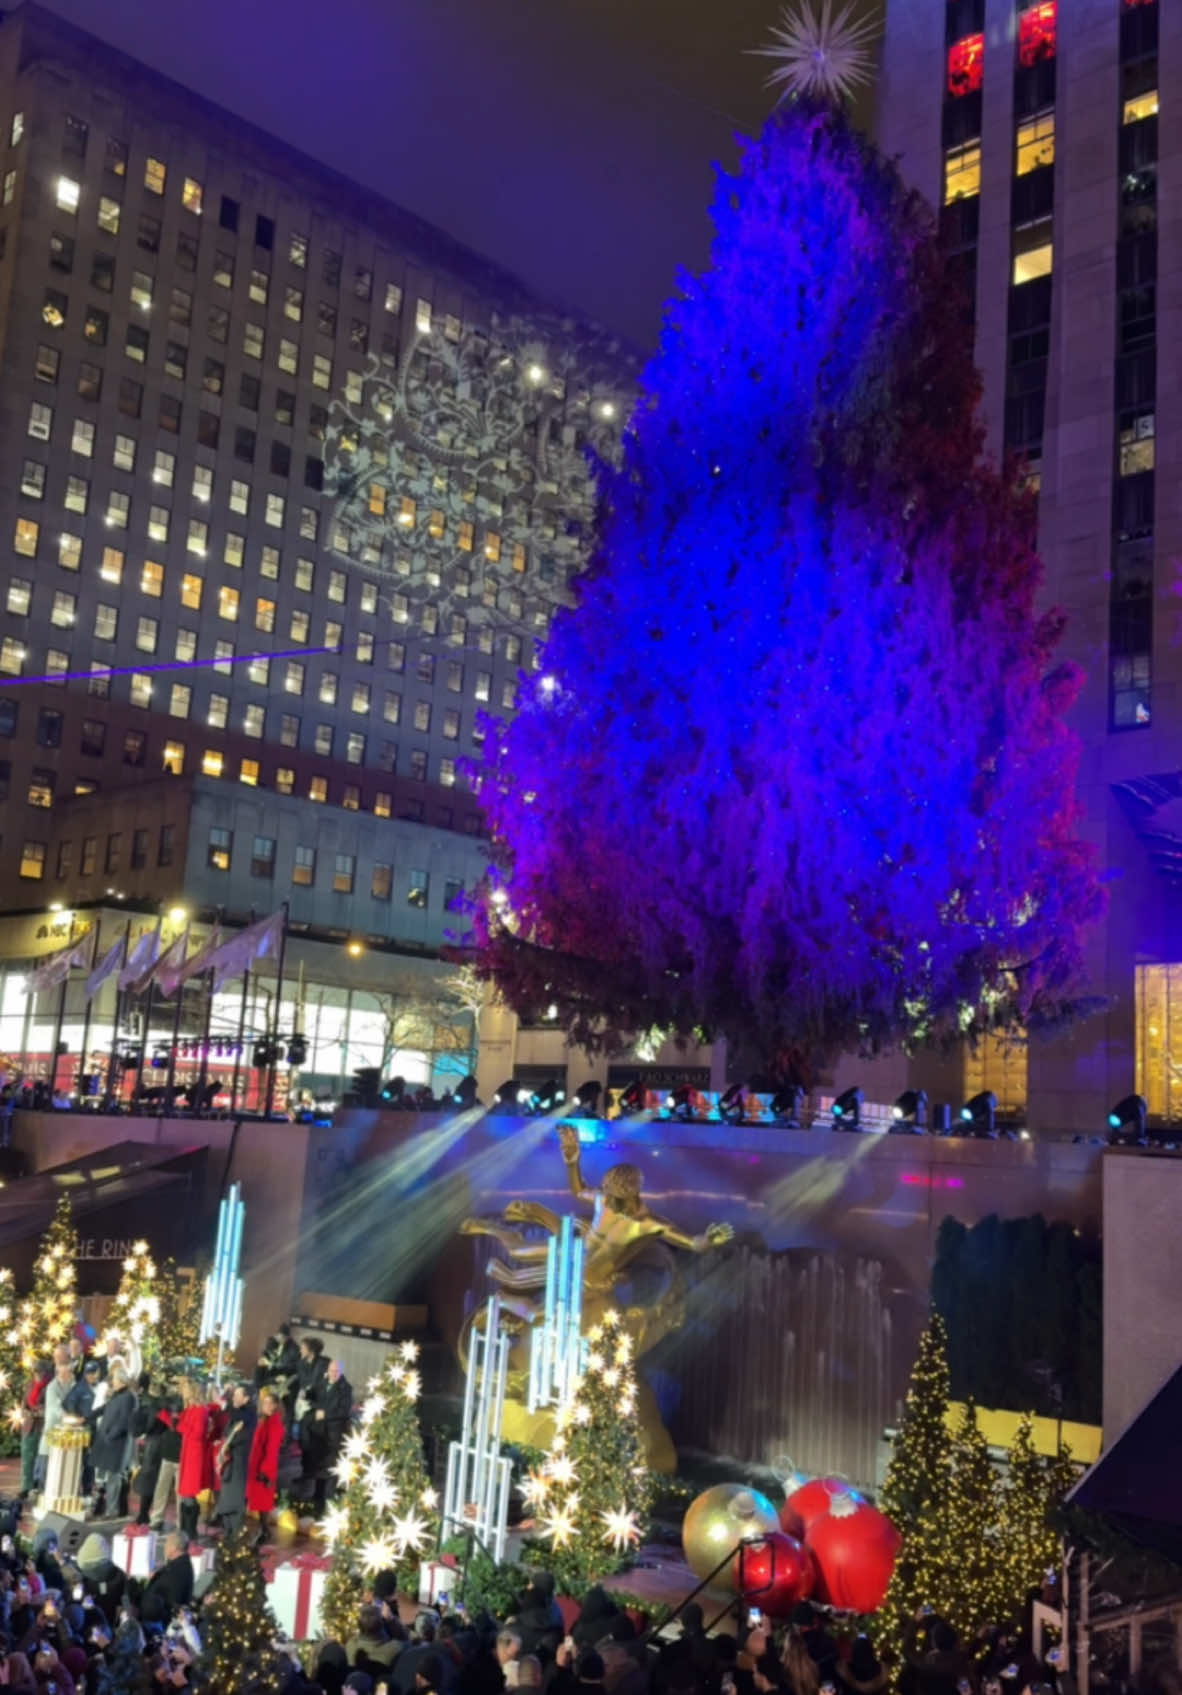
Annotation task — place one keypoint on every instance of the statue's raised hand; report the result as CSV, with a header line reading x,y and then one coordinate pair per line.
x,y
568,1137
717,1234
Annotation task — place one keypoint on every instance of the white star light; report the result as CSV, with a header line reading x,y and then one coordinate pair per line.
x,y
410,1533
356,1446
409,1352
820,50
620,1529
383,1495
333,1524
412,1385
560,1527
535,1489
380,1554
373,1408
345,1470
429,1498
562,1470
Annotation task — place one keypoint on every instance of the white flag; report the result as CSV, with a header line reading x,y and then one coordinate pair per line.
x,y
257,941
112,960
140,960
57,967
200,960
170,969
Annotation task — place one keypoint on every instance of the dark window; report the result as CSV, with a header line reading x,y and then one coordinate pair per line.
x,y
1136,379
1030,305
244,440
280,459
1133,506
74,138
1138,31
169,415
49,728
131,397
962,119
313,472
148,233
213,378
1024,419
1032,195
262,857
220,848
5,778
1138,145
1136,260
228,214
285,403
963,17
208,429
95,326
1138,317
317,422
9,716
166,846
186,252
331,268
264,232
139,849
94,737
175,358
102,273
134,747
61,252
960,221
249,389
1034,88
114,851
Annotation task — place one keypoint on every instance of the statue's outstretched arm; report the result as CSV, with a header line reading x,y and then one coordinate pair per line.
x,y
532,1212
512,1241
528,1278
569,1138
713,1236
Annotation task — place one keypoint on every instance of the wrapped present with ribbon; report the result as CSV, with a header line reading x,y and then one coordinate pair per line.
x,y
294,1589
133,1549
202,1559
438,1578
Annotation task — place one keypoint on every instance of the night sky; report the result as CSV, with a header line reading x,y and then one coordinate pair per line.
x,y
570,140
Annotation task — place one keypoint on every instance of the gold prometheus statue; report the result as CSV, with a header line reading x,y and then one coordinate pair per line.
x,y
628,1266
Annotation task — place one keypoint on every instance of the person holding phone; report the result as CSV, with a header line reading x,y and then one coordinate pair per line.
x,y
101,1577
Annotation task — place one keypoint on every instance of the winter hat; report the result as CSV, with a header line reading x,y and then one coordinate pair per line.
x,y
94,1550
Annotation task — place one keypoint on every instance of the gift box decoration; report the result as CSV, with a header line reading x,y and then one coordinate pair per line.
x,y
133,1549
202,1560
294,1590
436,1578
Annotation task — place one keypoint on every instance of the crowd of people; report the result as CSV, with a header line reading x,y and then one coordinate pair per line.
x,y
185,1441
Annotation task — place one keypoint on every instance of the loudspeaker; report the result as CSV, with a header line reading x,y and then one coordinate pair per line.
x,y
71,1533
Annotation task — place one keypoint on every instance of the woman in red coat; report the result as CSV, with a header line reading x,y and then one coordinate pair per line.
x,y
262,1469
193,1428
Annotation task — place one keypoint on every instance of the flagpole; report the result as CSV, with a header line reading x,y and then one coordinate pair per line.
x,y
60,1020
98,931
271,1068
113,1062
203,1073
241,1039
176,1036
149,1004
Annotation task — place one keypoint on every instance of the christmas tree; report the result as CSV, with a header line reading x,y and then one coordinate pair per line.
x,y
47,1316
135,1311
806,667
238,1628
12,1374
1035,1486
590,1495
969,1591
917,1491
387,1514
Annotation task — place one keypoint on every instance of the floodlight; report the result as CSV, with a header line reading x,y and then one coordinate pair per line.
x,y
787,1104
909,1115
1128,1120
730,1104
847,1110
980,1115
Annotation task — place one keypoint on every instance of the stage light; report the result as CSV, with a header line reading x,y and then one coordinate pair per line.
x,y
464,1094
586,1098
847,1110
910,1113
681,1104
1128,1121
787,1104
393,1091
297,1050
730,1104
980,1114
549,1097
632,1098
505,1099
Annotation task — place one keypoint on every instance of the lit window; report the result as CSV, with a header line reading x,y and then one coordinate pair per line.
x,y
464,536
108,215
228,604
106,622
1033,251
1036,33
297,251
155,172
393,301
141,689
118,510
25,536
212,765
423,316
33,861
253,341
966,65
186,645
299,626
20,597
1035,143
289,356
269,562
12,656
159,519
193,196
284,780
318,789
418,889
152,579
9,194
1141,106
276,511
69,552
239,496
258,670
69,193
234,551
248,772
191,587
221,848
262,852
111,569
321,370
962,172
197,537
33,479
180,697
147,631
303,871
264,615
1137,446
219,711
343,873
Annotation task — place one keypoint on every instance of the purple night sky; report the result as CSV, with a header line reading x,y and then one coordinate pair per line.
x,y
570,140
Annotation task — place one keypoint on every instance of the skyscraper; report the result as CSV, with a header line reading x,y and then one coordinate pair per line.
x,y
1038,132
292,484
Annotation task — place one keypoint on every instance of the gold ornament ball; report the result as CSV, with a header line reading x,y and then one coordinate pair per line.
x,y
287,1527
718,1520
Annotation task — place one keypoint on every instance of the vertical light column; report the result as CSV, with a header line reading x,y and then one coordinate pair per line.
x,y
556,1342
221,1311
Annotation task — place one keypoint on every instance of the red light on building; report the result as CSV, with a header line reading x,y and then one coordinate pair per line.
x,y
966,65
1036,33
1129,4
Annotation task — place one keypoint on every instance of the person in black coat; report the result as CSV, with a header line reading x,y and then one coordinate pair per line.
x,y
539,1620
112,1443
232,1456
278,1367
148,1430
171,1585
312,1375
327,1423
103,1580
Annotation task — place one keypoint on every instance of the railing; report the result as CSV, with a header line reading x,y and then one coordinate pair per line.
x,y
737,1603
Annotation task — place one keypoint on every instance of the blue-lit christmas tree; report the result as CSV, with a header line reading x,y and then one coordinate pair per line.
x,y
795,769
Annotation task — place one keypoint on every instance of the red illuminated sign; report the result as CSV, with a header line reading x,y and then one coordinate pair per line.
x,y
966,65
1036,33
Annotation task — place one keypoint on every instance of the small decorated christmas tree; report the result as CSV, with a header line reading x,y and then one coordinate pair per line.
x,y
387,1515
969,1592
1029,1541
47,1316
591,1493
135,1311
238,1628
917,1490
12,1374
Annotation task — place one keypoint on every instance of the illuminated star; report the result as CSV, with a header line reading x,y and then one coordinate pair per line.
x,y
562,1471
429,1498
410,1533
535,1489
356,1445
16,1418
595,1334
582,1413
412,1385
620,1529
560,1526
379,1554
611,1319
333,1524
373,1408
383,1494
595,1362
409,1352
820,50
397,1372
623,1348
611,1377
345,1470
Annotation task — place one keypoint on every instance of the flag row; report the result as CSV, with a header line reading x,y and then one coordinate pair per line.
x,y
143,962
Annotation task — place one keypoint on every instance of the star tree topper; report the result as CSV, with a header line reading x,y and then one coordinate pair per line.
x,y
821,51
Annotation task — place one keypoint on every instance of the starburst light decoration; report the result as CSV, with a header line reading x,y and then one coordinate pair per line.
x,y
620,1529
820,50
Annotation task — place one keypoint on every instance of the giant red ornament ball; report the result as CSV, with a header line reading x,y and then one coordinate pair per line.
x,y
811,1502
774,1573
854,1546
